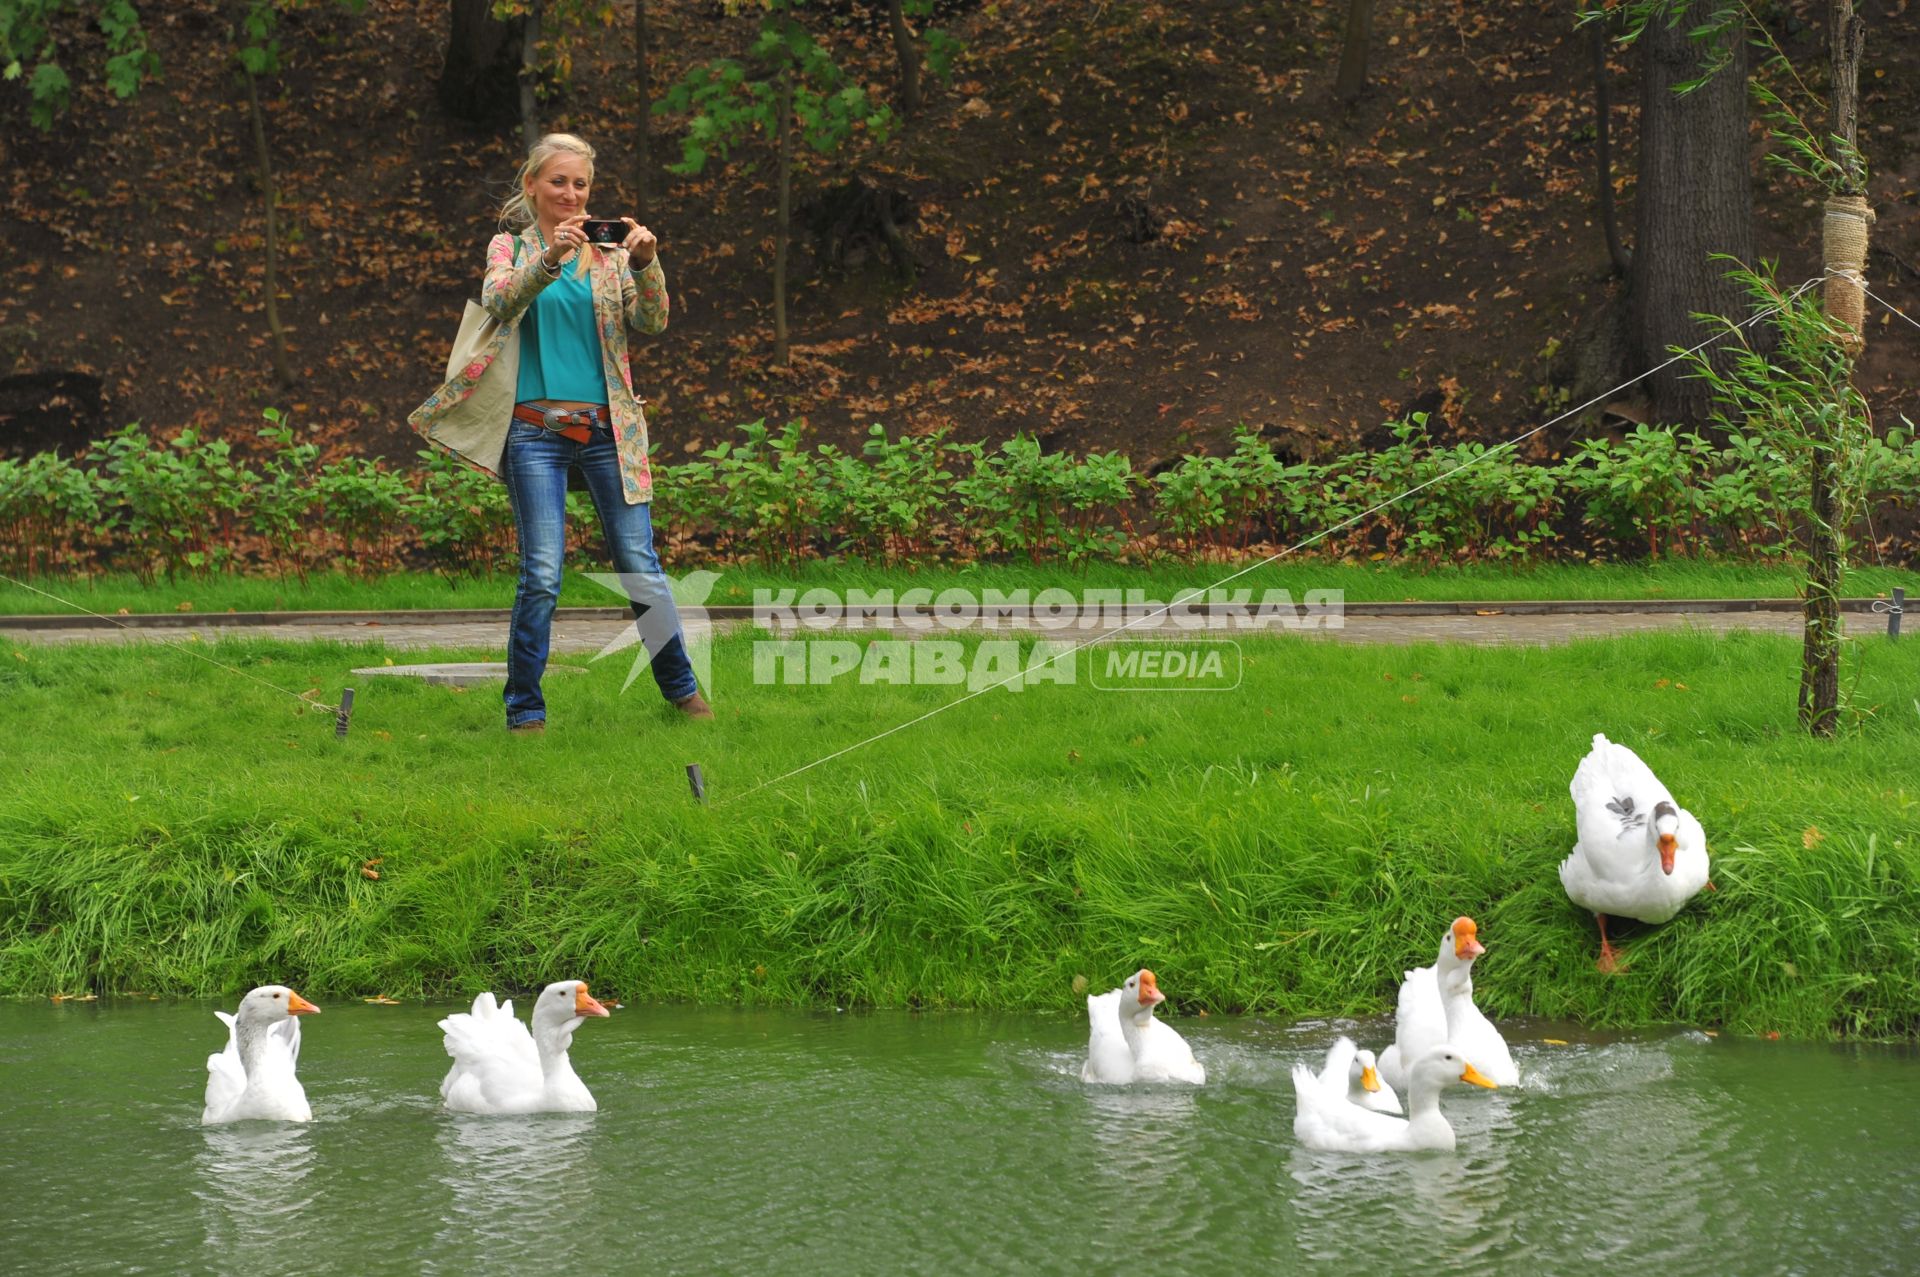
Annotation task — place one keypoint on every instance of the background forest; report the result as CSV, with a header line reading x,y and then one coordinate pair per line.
x,y
1123,226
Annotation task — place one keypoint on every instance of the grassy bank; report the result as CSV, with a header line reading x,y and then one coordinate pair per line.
x,y
169,826
1670,579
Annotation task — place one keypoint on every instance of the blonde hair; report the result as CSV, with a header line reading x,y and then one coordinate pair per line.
x,y
516,214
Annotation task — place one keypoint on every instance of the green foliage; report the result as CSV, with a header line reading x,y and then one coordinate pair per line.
x,y
27,38
729,105
1465,500
171,503
366,504
1797,405
771,497
1022,500
460,517
942,46
1648,483
771,490
256,45
891,497
45,501
282,499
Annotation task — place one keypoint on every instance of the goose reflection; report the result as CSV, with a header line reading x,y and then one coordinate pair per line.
x,y
1417,1207
501,1171
1143,1135
253,1181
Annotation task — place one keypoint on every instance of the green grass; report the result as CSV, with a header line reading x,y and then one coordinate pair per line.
x,y
171,827
1680,579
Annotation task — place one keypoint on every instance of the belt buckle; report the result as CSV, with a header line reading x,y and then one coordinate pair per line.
x,y
556,419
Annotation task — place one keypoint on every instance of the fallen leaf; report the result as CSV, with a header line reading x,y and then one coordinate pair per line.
x,y
1812,837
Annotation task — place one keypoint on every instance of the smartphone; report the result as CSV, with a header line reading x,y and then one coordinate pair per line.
x,y
604,230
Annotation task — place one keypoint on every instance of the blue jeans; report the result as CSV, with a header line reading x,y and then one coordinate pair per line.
x,y
535,468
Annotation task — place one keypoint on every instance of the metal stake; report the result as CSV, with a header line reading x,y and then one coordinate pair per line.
x,y
341,719
699,783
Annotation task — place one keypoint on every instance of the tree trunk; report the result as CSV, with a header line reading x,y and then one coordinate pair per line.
x,y
1603,149
478,80
783,111
643,144
903,48
1820,650
282,372
1353,51
1695,199
529,73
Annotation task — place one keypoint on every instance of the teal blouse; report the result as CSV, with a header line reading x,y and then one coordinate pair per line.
x,y
559,345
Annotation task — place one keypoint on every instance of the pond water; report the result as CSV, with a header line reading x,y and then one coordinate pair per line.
x,y
793,1142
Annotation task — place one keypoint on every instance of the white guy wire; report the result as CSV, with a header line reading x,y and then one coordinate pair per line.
x,y
178,647
1279,554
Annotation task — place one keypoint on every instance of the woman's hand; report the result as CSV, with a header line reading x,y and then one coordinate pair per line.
x,y
567,237
639,243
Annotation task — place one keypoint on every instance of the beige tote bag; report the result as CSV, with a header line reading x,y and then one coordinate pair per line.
x,y
476,429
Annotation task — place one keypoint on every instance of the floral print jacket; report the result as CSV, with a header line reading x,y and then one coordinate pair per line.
x,y
623,301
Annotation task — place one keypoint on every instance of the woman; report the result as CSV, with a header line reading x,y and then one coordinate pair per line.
x,y
570,304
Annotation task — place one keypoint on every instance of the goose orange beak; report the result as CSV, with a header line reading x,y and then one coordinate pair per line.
x,y
1370,1079
1150,995
1466,943
1668,845
585,1004
1475,1076
297,1005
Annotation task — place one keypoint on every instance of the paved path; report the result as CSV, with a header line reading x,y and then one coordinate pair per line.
x,y
573,637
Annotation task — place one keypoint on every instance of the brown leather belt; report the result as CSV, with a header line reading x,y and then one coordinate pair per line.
x,y
569,423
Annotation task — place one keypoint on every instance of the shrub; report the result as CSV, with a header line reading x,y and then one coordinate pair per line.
x,y
173,503
769,492
1191,499
889,503
45,501
461,517
1647,486
1021,500
366,504
282,496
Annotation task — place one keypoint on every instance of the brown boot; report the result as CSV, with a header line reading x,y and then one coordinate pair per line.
x,y
531,727
694,706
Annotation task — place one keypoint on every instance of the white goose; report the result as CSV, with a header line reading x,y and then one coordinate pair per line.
x,y
499,1067
1325,1121
1640,854
254,1077
1354,1076
1126,1044
1436,1006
